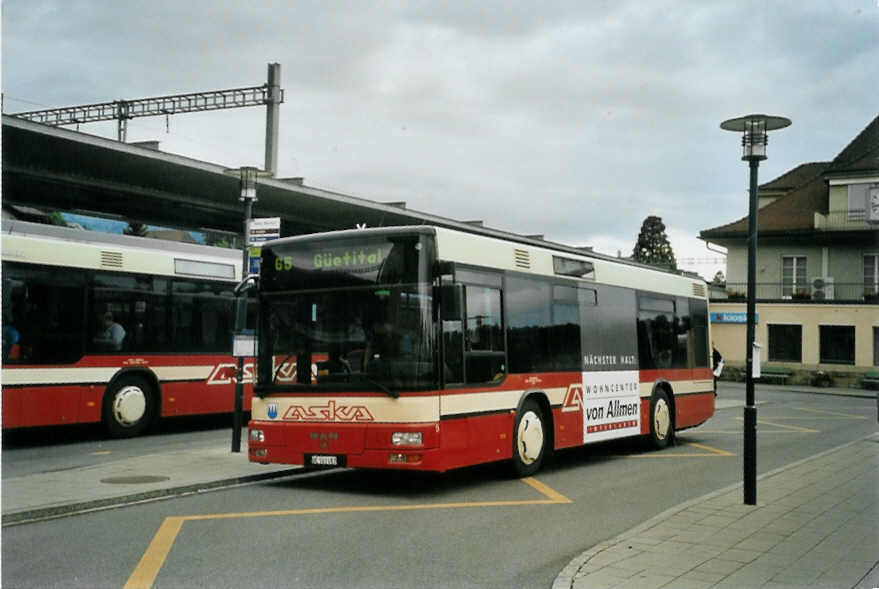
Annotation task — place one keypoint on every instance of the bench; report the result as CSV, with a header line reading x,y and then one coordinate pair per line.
x,y
871,379
776,372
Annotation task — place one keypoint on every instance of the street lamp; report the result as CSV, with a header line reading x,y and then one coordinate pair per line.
x,y
247,176
754,140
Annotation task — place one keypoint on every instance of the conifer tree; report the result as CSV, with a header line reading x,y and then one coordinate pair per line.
x,y
653,247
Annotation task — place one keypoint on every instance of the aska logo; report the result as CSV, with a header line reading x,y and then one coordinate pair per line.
x,y
286,373
225,373
573,398
329,412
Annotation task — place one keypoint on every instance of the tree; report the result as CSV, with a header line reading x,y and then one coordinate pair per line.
x,y
653,247
135,228
56,218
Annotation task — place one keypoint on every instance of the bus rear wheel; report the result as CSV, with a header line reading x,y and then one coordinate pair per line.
x,y
529,439
661,420
128,407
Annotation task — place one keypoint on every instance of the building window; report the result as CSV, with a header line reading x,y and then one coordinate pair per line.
x,y
876,346
793,275
837,344
786,343
871,274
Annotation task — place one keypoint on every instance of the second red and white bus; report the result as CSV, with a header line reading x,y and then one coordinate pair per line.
x,y
115,329
437,349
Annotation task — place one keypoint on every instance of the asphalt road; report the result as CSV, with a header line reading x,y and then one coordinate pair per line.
x,y
469,528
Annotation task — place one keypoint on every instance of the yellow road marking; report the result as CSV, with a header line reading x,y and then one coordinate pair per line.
x,y
156,553
814,417
822,412
711,449
553,495
793,428
710,452
151,562
733,432
100,453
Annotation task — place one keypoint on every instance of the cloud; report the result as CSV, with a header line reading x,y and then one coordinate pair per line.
x,y
571,119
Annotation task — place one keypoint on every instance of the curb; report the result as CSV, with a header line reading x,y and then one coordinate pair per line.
x,y
567,576
58,511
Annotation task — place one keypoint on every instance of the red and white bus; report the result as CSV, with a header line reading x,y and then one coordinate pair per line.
x,y
114,328
437,349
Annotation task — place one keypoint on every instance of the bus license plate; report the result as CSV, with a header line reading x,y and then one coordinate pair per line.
x,y
325,460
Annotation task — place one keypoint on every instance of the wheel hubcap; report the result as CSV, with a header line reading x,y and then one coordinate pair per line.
x,y
530,436
129,405
661,419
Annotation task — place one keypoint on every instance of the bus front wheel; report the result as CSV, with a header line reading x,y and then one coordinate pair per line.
x,y
128,407
529,439
661,419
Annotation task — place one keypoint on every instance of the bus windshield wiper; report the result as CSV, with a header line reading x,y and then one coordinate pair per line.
x,y
379,385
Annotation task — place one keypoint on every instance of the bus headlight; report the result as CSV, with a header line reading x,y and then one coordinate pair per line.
x,y
406,439
257,435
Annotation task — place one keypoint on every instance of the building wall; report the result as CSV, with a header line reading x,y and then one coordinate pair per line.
x,y
844,264
729,338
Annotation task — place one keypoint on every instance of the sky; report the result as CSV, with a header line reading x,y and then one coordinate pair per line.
x,y
572,119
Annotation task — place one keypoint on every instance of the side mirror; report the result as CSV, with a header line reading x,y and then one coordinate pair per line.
x,y
451,298
441,268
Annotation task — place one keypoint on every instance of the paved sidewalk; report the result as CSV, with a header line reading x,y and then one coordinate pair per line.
x,y
762,387
45,495
815,525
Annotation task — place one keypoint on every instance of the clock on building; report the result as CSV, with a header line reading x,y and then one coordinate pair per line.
x,y
873,205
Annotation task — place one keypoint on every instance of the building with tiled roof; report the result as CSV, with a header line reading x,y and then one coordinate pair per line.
x,y
817,282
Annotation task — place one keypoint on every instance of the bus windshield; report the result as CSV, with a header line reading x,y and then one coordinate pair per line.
x,y
357,311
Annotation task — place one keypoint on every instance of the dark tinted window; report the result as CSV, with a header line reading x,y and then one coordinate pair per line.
x,y
785,343
565,330
699,332
529,318
543,321
138,305
43,311
657,341
202,316
683,335
484,343
837,344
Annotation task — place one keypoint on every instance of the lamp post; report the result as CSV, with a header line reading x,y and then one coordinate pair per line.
x,y
247,175
754,140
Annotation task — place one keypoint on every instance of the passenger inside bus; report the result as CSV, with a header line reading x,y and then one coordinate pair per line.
x,y
110,335
11,335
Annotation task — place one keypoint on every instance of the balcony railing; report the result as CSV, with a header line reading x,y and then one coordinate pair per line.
x,y
848,220
836,292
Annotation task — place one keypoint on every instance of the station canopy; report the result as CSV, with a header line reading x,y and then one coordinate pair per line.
x,y
50,168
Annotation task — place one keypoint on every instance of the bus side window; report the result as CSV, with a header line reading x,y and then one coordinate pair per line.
x,y
451,313
484,337
49,314
656,332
